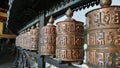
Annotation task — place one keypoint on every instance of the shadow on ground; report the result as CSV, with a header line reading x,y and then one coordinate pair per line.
x,y
6,61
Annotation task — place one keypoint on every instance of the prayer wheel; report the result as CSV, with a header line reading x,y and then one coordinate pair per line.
x,y
25,39
69,41
34,37
31,38
28,35
103,36
48,40
16,41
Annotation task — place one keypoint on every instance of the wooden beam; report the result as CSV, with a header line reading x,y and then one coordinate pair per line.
x,y
1,28
41,63
75,5
29,24
62,10
2,14
9,36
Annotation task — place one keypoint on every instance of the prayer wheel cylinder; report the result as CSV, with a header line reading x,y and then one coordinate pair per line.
x,y
103,36
35,37
48,40
69,41
28,39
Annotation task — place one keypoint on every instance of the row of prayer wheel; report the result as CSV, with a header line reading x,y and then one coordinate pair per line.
x,y
65,40
29,38
103,36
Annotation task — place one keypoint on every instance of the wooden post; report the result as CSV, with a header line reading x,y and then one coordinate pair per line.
x,y
41,63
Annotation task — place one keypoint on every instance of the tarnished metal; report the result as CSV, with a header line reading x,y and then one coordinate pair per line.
x,y
34,37
28,39
105,3
103,37
48,40
69,41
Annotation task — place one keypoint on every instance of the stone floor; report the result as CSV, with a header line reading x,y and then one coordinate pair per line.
x,y
6,61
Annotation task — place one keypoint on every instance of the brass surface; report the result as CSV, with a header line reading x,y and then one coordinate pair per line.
x,y
48,39
103,37
69,41
28,39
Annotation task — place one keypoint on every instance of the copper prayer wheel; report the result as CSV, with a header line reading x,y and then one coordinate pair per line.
x,y
25,40
34,37
103,37
31,38
48,40
28,35
69,41
16,41
22,39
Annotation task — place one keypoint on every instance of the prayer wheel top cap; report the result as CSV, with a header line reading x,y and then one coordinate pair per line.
x,y
28,29
37,25
69,19
69,15
51,21
105,3
32,27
